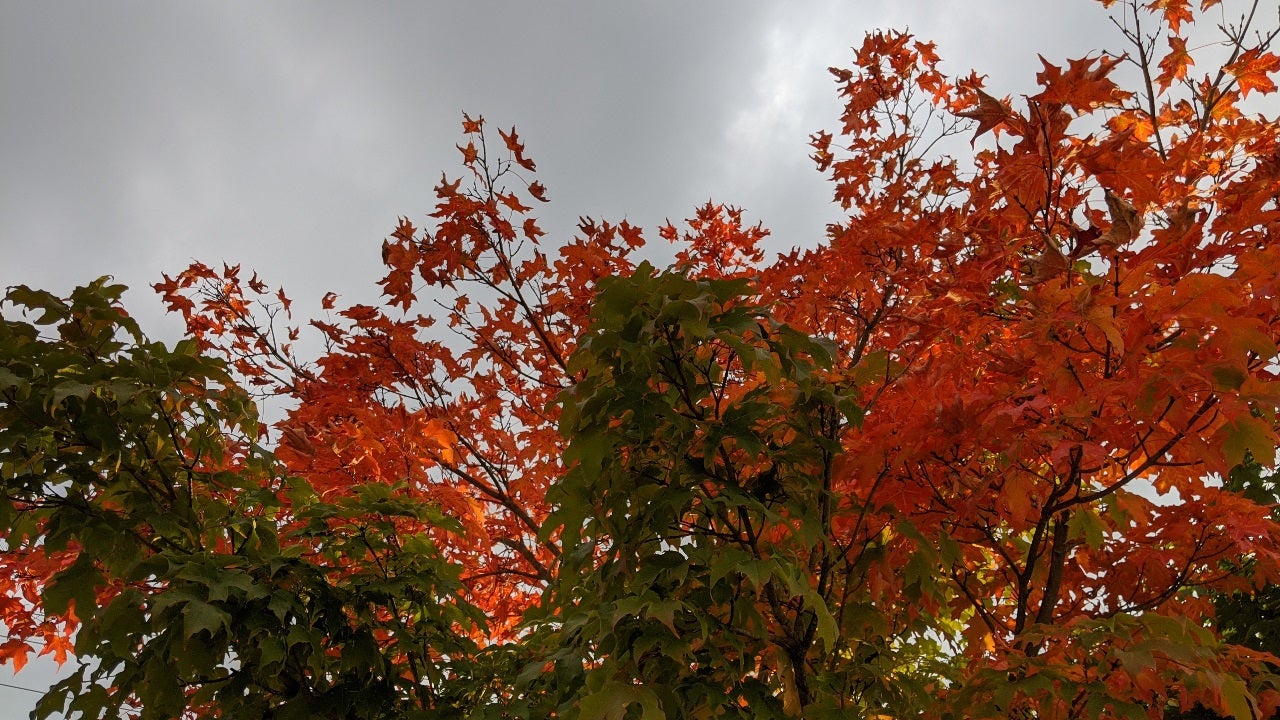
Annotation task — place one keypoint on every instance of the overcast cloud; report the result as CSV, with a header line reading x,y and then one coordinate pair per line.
x,y
288,136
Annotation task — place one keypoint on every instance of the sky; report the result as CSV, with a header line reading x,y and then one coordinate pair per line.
x,y
288,137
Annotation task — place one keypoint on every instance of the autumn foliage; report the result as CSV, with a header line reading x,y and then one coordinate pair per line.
x,y
962,457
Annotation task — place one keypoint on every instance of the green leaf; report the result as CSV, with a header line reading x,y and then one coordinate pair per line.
x,y
77,583
9,380
613,699
827,630
664,611
1227,376
54,308
1247,435
1086,522
1236,697
67,389
198,616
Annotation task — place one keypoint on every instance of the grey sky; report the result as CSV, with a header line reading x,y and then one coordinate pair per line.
x,y
288,136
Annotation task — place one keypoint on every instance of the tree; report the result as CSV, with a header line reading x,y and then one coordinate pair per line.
x,y
962,458
1252,617
141,508
1247,617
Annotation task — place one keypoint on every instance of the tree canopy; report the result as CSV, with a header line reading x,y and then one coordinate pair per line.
x,y
999,445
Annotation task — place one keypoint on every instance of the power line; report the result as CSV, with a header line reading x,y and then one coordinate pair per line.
x,y
6,636
19,687
28,640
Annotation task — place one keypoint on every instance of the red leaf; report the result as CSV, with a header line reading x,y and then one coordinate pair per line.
x,y
257,285
514,145
538,191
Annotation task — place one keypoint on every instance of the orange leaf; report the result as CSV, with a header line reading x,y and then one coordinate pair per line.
x,y
1175,12
513,202
469,153
513,143
990,114
531,229
1132,122
1174,65
17,651
59,646
1253,71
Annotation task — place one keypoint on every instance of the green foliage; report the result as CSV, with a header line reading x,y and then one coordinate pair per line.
x,y
697,511
145,459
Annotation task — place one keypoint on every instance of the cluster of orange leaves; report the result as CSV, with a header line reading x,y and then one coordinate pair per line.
x,y
1087,312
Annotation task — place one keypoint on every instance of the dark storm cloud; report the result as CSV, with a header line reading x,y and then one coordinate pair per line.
x,y
288,136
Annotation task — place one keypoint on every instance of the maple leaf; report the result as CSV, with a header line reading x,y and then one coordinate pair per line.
x,y
1174,12
538,191
1049,264
531,229
1084,85
1130,122
1174,65
991,113
257,285
513,203
1253,71
928,52
1126,222
517,149
469,153
17,651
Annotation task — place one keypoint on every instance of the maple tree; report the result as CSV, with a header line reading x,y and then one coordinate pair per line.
x,y
964,457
